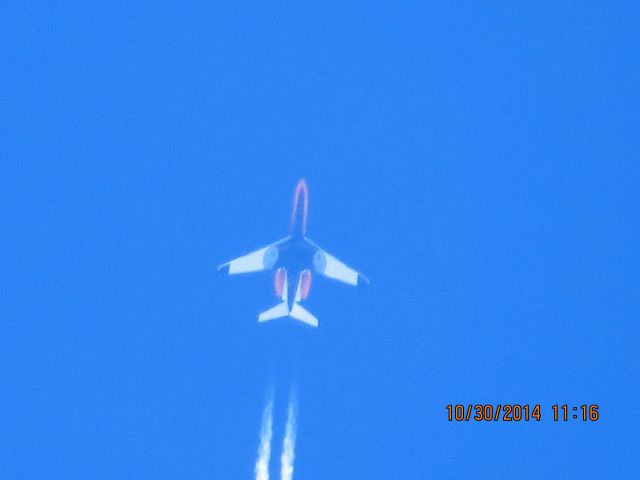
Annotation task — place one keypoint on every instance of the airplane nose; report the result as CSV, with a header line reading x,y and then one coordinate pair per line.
x,y
300,208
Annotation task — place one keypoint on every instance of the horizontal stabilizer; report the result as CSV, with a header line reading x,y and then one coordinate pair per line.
x,y
300,313
280,310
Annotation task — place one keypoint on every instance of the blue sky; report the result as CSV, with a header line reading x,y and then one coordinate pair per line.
x,y
478,163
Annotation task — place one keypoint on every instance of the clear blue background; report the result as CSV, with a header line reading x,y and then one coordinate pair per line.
x,y
478,163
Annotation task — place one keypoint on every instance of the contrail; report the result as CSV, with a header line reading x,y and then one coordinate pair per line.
x,y
289,445
266,431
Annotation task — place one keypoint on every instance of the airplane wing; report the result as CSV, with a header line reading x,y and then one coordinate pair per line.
x,y
329,266
262,259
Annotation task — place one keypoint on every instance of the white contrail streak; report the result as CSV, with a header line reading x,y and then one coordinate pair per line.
x,y
264,449
289,445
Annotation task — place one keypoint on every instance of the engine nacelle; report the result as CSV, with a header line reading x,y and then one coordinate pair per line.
x,y
305,283
279,279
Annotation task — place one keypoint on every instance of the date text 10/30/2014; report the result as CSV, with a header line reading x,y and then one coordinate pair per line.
x,y
521,412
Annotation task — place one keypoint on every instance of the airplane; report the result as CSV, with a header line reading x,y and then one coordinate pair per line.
x,y
294,258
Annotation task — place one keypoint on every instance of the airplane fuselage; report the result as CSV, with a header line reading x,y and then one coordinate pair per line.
x,y
299,210
295,257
